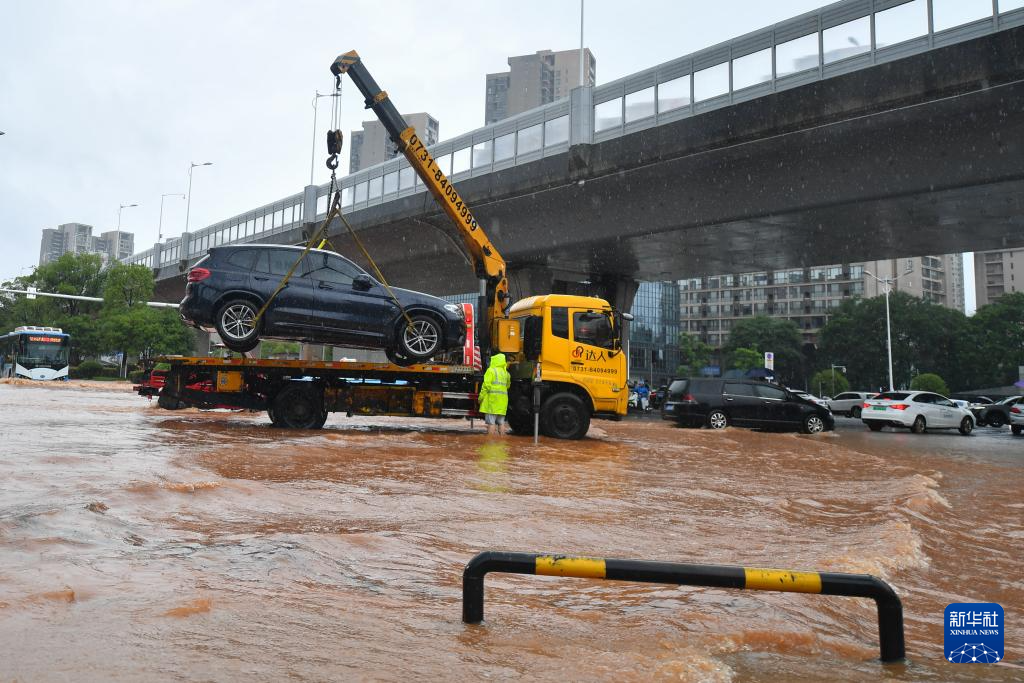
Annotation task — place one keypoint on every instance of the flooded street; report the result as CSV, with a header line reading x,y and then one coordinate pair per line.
x,y
142,544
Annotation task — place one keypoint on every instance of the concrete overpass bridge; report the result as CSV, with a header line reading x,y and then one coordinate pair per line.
x,y
860,131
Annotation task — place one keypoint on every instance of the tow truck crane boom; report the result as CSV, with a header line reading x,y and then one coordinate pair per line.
x,y
488,263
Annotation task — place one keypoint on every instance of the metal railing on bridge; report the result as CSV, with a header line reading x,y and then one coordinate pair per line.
x,y
837,39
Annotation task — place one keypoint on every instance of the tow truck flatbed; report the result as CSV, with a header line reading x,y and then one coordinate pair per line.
x,y
301,393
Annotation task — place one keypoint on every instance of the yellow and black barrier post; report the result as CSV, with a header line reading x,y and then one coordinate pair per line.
x,y
890,610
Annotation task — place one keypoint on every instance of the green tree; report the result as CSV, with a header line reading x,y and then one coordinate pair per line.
x,y
782,337
746,359
126,285
996,333
821,381
693,355
929,381
925,337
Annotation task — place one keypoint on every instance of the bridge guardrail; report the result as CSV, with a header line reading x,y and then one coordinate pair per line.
x,y
890,610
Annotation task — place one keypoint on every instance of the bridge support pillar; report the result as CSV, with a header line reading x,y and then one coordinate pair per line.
x,y
311,352
202,344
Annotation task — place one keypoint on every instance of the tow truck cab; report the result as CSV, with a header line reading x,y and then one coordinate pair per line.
x,y
578,342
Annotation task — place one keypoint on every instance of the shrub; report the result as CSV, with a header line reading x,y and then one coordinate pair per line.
x,y
87,369
929,382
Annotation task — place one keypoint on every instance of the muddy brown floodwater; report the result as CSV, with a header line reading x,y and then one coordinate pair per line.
x,y
140,544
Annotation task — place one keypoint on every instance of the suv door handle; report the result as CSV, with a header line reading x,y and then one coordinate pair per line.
x,y
260,278
324,285
728,399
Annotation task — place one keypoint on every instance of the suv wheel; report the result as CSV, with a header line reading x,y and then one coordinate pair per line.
x,y
420,339
919,426
966,426
813,424
855,412
718,419
995,420
237,325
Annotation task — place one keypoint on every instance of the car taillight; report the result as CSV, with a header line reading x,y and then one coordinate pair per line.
x,y
198,274
899,406
1015,409
866,404
689,398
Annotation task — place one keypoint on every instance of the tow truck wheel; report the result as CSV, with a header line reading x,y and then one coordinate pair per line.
x,y
169,403
237,325
563,416
298,406
519,422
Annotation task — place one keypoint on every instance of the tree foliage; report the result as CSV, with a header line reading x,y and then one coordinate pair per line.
x,y
746,359
762,333
121,322
929,382
822,382
693,355
981,351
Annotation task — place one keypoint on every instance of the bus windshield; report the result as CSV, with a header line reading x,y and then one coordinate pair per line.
x,y
43,352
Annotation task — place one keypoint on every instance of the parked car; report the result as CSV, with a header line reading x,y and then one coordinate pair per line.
x,y
849,403
916,410
997,414
810,397
718,403
1017,417
327,300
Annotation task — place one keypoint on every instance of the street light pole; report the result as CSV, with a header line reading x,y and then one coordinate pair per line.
x,y
117,243
160,229
888,325
188,208
834,366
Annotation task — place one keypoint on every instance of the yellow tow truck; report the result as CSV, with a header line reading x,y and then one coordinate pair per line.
x,y
565,353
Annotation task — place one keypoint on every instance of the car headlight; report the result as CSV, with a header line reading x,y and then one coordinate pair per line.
x,y
454,308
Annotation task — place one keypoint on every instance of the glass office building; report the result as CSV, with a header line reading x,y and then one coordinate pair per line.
x,y
654,333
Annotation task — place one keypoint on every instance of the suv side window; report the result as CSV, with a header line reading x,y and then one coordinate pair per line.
x,y
281,261
245,259
766,391
738,389
845,397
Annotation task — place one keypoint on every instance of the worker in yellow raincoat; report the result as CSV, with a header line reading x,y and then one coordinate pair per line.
x,y
494,393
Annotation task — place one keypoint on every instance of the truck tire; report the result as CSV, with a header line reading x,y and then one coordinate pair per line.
x,y
519,422
169,403
564,416
299,406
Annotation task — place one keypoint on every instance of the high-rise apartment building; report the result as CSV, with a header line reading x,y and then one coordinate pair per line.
x,y
77,238
995,274
710,306
371,145
533,80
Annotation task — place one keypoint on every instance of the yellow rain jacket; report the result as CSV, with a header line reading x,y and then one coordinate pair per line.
x,y
494,389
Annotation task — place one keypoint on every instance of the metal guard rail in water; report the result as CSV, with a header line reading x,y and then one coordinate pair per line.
x,y
890,610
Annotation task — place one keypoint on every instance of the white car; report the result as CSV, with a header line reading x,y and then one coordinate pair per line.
x,y
809,397
849,403
918,410
1017,417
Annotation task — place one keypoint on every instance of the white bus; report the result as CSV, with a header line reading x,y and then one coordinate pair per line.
x,y
35,353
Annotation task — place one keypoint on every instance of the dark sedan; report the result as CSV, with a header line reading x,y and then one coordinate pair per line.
x,y
327,300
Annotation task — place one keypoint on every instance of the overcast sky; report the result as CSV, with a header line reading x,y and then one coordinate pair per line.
x,y
107,103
